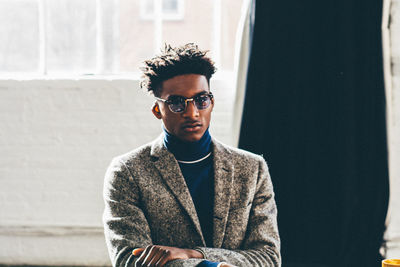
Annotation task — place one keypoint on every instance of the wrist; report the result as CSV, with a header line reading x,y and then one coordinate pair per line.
x,y
194,253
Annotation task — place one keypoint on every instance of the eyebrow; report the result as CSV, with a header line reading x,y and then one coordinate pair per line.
x,y
198,94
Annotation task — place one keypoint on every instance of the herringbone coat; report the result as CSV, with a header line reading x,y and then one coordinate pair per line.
x,y
147,202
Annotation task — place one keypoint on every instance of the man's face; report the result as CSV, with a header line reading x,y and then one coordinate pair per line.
x,y
190,124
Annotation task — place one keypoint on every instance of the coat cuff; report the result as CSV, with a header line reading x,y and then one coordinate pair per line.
x,y
201,251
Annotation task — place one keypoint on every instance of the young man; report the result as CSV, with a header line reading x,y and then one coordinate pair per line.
x,y
186,199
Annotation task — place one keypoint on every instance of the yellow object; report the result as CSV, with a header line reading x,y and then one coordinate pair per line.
x,y
391,263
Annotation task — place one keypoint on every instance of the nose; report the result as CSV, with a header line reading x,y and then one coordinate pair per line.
x,y
191,110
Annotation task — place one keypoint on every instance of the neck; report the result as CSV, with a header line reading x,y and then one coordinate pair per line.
x,y
188,151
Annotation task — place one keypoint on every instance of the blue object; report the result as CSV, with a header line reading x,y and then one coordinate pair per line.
x,y
206,263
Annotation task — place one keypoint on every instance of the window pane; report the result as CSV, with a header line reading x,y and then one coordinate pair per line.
x,y
196,26
19,36
183,22
230,16
71,36
170,6
136,36
148,6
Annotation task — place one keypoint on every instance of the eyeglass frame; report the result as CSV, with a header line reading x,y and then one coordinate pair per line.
x,y
168,101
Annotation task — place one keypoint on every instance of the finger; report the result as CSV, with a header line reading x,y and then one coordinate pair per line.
x,y
166,257
150,255
142,257
137,251
157,254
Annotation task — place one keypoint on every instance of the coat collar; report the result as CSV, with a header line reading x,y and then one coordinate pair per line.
x,y
169,169
223,183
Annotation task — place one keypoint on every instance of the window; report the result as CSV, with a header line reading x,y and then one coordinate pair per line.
x,y
103,37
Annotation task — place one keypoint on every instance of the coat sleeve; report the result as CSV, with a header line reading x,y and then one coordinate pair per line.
x,y
261,246
125,226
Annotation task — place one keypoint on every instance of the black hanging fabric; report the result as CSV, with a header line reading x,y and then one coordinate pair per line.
x,y
315,108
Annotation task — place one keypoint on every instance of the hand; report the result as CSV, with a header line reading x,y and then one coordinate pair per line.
x,y
224,264
158,256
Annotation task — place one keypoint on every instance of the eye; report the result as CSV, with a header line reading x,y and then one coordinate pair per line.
x,y
202,100
176,100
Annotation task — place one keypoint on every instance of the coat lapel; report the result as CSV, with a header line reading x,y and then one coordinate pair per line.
x,y
223,179
169,170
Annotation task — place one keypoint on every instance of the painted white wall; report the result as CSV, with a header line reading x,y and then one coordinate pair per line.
x,y
57,138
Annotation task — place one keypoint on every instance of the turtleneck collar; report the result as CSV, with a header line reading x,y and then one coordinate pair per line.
x,y
187,151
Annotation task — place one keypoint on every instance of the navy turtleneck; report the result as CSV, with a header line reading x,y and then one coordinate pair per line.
x,y
188,151
196,163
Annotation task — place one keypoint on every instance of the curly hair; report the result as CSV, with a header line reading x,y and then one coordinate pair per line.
x,y
174,61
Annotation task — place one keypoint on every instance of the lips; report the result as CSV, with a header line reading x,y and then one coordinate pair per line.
x,y
191,127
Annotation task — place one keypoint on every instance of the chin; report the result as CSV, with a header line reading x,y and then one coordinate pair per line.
x,y
191,138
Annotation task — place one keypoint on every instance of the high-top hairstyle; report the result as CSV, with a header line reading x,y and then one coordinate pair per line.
x,y
174,61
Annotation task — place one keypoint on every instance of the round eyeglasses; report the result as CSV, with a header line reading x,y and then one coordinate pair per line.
x,y
177,103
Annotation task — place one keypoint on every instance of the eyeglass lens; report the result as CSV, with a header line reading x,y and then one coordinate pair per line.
x,y
178,103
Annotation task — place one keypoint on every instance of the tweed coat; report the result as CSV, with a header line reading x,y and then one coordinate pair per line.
x,y
147,202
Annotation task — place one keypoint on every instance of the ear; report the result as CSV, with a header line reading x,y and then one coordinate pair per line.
x,y
156,111
212,103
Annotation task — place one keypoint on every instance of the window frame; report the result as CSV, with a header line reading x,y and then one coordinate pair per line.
x,y
144,15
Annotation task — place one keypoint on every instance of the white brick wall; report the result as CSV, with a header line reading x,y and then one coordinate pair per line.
x,y
57,138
